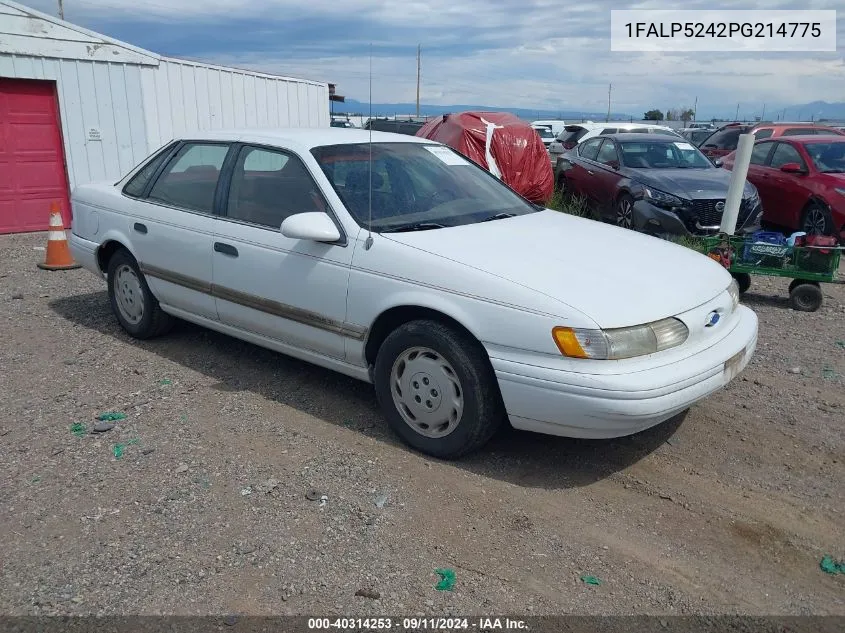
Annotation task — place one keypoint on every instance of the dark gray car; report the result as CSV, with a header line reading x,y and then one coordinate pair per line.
x,y
653,183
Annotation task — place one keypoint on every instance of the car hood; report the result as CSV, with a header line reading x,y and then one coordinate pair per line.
x,y
614,276
693,184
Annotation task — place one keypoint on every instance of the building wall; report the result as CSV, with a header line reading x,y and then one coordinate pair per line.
x,y
181,97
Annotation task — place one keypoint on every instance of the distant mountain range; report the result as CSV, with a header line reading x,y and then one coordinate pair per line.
x,y
815,110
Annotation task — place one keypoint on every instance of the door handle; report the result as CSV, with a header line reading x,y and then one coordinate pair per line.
x,y
140,228
589,172
226,249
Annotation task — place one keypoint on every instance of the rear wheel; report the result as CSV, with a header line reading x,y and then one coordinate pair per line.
x,y
135,307
437,389
625,211
817,220
805,296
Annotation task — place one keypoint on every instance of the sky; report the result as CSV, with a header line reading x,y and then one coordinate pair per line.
x,y
543,54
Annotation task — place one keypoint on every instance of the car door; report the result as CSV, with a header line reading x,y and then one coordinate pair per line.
x,y
290,290
606,177
579,176
758,172
788,191
171,223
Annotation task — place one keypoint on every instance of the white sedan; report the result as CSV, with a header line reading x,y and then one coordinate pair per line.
x,y
401,263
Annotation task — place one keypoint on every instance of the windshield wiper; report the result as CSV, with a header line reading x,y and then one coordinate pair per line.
x,y
498,216
414,226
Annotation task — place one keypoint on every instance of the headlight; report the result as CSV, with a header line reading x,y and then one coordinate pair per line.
x,y
661,198
753,195
733,291
618,343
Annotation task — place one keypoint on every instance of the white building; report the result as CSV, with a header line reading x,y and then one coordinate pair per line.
x,y
77,106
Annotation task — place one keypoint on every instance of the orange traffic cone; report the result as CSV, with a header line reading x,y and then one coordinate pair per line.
x,y
58,254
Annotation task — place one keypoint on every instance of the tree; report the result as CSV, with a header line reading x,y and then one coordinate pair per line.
x,y
671,115
687,114
653,115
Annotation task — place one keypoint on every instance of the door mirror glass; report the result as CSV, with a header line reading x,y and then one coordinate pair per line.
x,y
792,168
718,162
315,226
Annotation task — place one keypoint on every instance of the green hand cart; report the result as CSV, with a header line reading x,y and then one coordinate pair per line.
x,y
807,266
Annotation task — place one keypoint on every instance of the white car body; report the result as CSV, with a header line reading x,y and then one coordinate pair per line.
x,y
589,130
557,125
507,282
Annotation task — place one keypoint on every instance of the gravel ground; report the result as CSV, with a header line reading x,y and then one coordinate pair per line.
x,y
253,483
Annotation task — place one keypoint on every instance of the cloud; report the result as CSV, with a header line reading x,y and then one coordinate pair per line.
x,y
512,53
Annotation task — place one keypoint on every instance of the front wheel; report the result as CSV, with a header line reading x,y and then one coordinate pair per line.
x,y
437,389
805,296
625,211
817,220
133,304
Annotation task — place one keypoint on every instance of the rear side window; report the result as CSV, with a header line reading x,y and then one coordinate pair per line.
x,y
609,130
760,153
798,131
589,149
572,133
138,184
724,139
764,133
190,178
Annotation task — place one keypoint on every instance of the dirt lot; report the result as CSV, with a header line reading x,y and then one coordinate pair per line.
x,y
726,511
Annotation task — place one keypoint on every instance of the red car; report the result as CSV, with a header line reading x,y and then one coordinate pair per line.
x,y
801,180
724,140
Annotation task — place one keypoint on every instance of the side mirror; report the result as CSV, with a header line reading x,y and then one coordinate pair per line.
x,y
792,168
613,164
315,226
718,162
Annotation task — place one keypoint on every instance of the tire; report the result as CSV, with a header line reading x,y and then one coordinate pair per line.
x,y
817,220
743,280
410,363
560,184
624,212
135,307
805,296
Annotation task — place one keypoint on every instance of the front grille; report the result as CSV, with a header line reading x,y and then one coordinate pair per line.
x,y
706,213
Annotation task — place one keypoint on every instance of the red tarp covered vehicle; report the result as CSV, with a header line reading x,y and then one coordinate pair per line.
x,y
502,143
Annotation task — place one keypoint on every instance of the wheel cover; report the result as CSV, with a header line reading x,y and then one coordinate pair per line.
x,y
815,223
625,214
426,392
129,294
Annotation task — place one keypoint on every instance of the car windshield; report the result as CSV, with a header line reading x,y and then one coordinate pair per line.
x,y
545,133
829,158
657,155
415,186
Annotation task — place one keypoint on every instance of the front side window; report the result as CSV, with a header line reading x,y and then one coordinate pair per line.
x,y
190,178
138,184
607,153
784,153
269,186
415,186
760,153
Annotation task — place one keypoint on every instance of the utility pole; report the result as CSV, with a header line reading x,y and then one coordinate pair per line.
x,y
695,110
609,87
61,9
736,117
763,116
419,52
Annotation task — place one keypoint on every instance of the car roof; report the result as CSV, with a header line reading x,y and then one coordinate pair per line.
x,y
635,136
783,126
306,138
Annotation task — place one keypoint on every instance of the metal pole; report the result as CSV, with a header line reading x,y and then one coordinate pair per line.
x,y
736,117
763,116
61,9
695,110
740,170
419,51
609,87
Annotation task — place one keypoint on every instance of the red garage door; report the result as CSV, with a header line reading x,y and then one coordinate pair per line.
x,y
32,165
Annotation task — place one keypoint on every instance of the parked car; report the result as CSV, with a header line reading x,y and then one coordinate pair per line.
x,y
343,123
653,183
578,132
502,143
724,141
701,126
695,135
556,125
545,134
442,286
399,126
801,180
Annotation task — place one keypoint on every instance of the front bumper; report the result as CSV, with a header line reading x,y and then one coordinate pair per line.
x,y
571,404
649,218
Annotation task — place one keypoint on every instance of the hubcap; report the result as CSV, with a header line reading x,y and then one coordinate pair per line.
x,y
815,223
130,297
427,392
625,214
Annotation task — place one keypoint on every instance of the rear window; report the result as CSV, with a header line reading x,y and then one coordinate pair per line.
x,y
609,130
572,133
724,139
138,184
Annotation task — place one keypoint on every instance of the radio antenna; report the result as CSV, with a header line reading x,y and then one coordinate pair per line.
x,y
368,244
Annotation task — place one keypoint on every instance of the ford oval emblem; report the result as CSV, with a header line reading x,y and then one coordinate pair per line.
x,y
720,206
712,319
